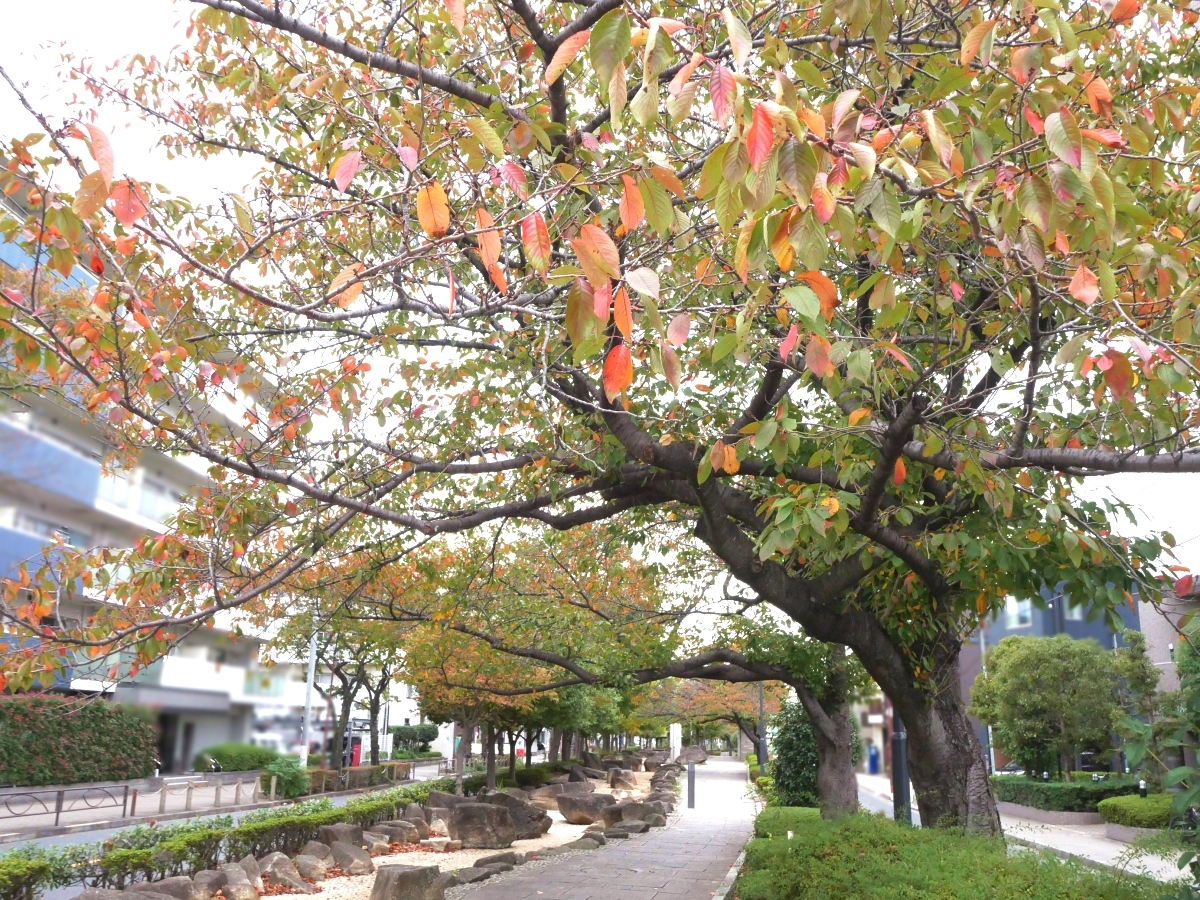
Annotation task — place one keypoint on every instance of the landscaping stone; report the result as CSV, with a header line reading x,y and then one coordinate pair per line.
x,y
237,883
311,867
591,760
509,856
577,775
209,881
250,866
583,809
345,832
281,870
437,825
516,792
578,787
692,754
413,811
105,894
400,831
613,834
317,849
630,827
497,868
452,845
622,779
472,874
482,826
530,821
437,844
409,883
178,886
353,859
442,800
376,842
611,815
582,844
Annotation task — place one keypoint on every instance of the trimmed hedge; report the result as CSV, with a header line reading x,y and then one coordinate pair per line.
x,y
235,757
20,878
1135,812
47,740
1060,796
863,857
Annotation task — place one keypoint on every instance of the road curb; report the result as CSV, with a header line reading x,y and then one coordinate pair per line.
x,y
730,877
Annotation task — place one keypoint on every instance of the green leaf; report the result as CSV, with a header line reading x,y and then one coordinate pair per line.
x,y
885,210
660,214
803,300
609,44
487,136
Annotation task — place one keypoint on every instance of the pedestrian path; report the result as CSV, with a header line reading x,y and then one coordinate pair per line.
x,y
1086,843
687,860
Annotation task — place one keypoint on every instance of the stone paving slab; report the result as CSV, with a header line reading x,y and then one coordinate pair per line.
x,y
687,860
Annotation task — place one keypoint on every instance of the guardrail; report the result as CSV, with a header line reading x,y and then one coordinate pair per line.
x,y
55,802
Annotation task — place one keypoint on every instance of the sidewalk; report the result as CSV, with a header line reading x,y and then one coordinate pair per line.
x,y
690,859
1085,843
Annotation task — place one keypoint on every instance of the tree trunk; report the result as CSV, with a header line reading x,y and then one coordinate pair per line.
x,y
373,712
529,733
837,787
490,754
566,747
460,756
555,742
512,756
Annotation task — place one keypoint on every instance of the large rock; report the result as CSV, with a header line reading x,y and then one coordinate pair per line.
x,y
529,821
311,867
591,760
516,792
437,824
613,814
237,883
345,832
482,826
640,811
622,779
442,800
401,831
178,886
374,842
352,858
413,811
630,827
278,869
317,849
578,787
693,754
408,883
250,866
209,881
577,774
583,809
106,894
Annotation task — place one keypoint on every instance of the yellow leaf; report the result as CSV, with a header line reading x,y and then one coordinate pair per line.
x,y
858,415
433,210
564,55
343,298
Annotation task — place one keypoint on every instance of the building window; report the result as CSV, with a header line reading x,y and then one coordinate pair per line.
x,y
51,530
116,490
1018,613
1075,611
158,501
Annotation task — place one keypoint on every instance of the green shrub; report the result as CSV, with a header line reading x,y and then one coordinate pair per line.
x,y
414,738
235,757
1153,811
765,785
1060,796
752,762
45,740
864,857
290,780
20,878
415,754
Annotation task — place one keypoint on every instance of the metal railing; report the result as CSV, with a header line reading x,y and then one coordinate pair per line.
x,y
20,805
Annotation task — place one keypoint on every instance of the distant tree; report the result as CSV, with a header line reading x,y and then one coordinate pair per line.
x,y
1047,699
1141,701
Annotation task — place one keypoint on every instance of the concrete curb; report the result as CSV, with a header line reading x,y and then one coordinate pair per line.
x,y
1082,860
730,877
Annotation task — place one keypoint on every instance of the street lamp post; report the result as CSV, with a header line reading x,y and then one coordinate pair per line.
x,y
762,733
901,801
308,692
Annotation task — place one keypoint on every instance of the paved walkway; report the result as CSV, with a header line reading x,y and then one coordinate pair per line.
x,y
687,860
1087,843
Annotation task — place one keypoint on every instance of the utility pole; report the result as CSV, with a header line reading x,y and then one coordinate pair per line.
x,y
308,692
762,733
901,801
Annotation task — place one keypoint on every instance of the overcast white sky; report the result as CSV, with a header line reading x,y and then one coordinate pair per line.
x,y
106,30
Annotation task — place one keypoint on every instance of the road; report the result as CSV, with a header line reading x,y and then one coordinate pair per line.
x,y
873,800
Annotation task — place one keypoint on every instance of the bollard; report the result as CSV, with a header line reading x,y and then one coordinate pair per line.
x,y
217,795
691,785
254,790
237,793
187,800
133,805
1142,789
273,779
162,799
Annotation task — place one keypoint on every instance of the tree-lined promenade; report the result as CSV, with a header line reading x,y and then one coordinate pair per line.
x,y
842,301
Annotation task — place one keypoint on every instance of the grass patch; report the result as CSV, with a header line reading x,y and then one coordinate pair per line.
x,y
872,858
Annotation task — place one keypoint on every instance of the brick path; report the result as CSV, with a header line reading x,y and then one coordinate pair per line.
x,y
687,860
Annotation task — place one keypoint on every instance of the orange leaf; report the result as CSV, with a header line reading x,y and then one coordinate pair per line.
x,y
345,169
716,456
623,313
858,415
731,460
816,357
536,238
488,237
1099,96
602,300
814,120
823,201
1118,375
618,371
597,254
1108,137
497,275
669,180
632,207
1124,11
566,52
899,472
1085,286
102,152
458,14
825,290
682,76
761,136
343,298
129,202
433,210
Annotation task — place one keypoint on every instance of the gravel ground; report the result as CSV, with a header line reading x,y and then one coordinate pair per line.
x,y
359,887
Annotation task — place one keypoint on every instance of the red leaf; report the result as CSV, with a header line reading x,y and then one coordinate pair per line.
x,y
514,177
1036,122
623,313
618,371
345,169
823,201
1108,137
899,472
536,238
1184,585
129,202
788,344
722,88
761,136
602,300
678,330
816,358
1085,286
1118,375
632,208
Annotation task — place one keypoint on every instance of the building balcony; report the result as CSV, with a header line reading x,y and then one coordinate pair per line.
x,y
30,459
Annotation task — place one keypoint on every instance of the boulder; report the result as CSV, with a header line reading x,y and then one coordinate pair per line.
x,y
442,800
436,844
639,811
311,867
578,787
352,858
250,866
422,828
516,792
278,869
530,821
374,842
622,779
549,790
237,883
591,760
105,894
611,815
399,831
656,821
512,857
583,809
317,849
582,844
482,826
437,825
345,832
636,764
577,774
629,827
408,883
209,881
590,772
178,886
471,874
497,868
413,811
663,796
693,754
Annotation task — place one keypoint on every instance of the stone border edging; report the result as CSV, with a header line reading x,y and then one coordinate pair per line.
x,y
730,877
1049,816
1127,834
